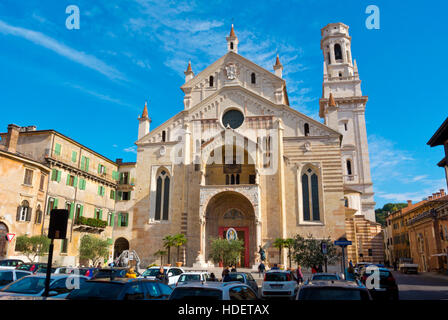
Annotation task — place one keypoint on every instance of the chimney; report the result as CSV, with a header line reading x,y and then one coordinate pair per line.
x,y
442,192
409,203
434,195
438,194
429,198
12,138
119,161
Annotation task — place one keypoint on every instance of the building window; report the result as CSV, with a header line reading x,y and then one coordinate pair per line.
x,y
163,136
85,163
64,246
349,167
251,179
55,175
78,212
346,202
38,215
210,81
101,190
112,194
123,219
57,149
328,58
124,177
345,126
162,196
310,195
337,52
98,214
101,169
74,156
72,181
24,211
42,182
253,78
126,195
231,45
306,129
52,204
28,180
110,219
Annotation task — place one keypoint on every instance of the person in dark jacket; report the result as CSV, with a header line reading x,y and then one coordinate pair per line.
x,y
162,277
226,276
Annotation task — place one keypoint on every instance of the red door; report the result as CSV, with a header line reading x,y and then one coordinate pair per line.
x,y
243,234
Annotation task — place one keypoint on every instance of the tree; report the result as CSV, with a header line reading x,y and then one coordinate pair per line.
x,y
168,242
307,251
93,249
160,253
227,252
381,213
179,240
289,243
33,247
279,243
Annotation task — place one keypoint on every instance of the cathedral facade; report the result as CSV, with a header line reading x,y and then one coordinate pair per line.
x,y
240,156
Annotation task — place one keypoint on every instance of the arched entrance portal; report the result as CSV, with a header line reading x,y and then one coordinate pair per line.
x,y
231,209
120,245
3,241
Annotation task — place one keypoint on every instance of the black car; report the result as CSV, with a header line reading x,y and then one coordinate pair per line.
x,y
388,288
110,273
333,290
121,289
32,266
10,263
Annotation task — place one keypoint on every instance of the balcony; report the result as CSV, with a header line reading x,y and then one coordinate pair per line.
x,y
90,225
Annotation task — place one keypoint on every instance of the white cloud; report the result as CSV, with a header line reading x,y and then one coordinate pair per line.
x,y
99,95
132,149
61,49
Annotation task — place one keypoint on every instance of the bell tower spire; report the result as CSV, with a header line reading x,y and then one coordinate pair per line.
x,y
232,41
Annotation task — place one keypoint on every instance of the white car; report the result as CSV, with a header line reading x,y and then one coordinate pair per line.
x,y
8,276
10,264
172,272
279,283
213,291
193,276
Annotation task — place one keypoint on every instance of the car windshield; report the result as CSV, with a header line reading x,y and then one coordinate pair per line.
x,y
235,277
190,277
5,278
44,270
151,272
332,294
383,273
107,273
277,276
325,277
27,285
97,291
26,267
189,293
9,263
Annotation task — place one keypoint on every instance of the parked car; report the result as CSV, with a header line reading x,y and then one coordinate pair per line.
x,y
8,276
279,283
172,272
333,290
244,277
193,276
34,285
388,288
31,266
10,264
121,289
406,265
108,273
213,291
325,276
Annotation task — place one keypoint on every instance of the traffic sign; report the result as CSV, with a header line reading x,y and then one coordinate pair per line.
x,y
343,243
10,236
323,247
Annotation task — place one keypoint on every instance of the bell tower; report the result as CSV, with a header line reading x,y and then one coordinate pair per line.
x,y
342,107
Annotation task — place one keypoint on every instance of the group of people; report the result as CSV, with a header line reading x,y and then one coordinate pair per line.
x,y
298,272
225,273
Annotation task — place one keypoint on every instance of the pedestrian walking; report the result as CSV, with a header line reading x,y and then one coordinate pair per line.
x,y
162,277
226,276
261,269
299,274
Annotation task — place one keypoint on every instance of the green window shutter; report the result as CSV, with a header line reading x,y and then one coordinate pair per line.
x,y
74,156
101,214
58,179
75,182
120,194
83,184
103,191
54,175
126,219
99,168
119,220
80,184
83,162
112,219
99,190
121,178
57,149
87,164
55,203
81,209
72,210
68,179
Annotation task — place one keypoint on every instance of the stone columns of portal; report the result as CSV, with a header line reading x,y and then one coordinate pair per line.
x,y
281,179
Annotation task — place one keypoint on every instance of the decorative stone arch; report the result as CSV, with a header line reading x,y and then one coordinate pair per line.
x,y
155,171
120,244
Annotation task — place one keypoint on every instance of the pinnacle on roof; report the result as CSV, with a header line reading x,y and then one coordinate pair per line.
x,y
331,102
189,70
232,32
277,62
145,110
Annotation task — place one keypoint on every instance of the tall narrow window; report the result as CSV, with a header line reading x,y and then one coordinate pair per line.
x,y
38,215
28,180
328,57
162,196
337,51
24,211
237,178
210,81
310,196
163,136
232,179
231,45
306,129
253,79
349,167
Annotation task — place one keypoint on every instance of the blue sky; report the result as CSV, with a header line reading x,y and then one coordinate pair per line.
x,y
91,83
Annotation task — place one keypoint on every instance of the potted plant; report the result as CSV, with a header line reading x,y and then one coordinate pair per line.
x,y
160,253
179,240
168,242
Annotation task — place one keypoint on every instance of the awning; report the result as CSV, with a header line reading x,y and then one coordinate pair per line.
x,y
439,255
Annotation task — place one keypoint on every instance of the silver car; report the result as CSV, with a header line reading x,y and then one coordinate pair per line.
x,y
34,285
213,291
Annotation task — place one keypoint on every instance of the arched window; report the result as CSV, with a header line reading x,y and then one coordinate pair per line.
x,y
337,51
253,79
231,45
349,167
162,196
306,129
24,211
310,195
346,202
210,81
38,215
232,179
237,178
